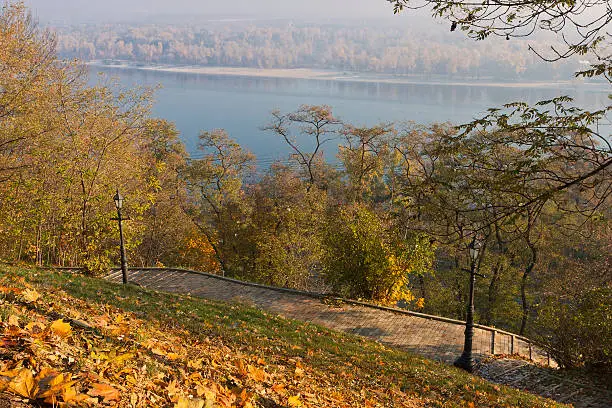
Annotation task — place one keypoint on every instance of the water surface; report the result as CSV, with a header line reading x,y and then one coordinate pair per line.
x,y
242,105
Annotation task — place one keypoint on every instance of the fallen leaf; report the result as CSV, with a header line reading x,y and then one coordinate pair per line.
x,y
208,393
294,401
105,391
195,364
70,394
122,358
279,388
242,368
35,328
185,402
30,295
4,289
172,388
173,356
256,374
61,329
299,372
13,320
134,399
23,384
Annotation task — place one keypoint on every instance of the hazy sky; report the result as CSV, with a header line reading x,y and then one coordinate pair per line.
x,y
96,10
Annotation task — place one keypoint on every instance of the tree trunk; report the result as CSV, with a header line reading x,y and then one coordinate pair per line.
x,y
526,274
492,294
495,276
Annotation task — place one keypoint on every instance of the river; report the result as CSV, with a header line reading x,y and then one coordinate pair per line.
x,y
241,105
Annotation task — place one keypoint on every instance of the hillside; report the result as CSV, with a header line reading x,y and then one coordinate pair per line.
x,y
68,338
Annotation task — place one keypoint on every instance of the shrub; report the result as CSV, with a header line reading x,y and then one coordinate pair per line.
x,y
577,331
365,258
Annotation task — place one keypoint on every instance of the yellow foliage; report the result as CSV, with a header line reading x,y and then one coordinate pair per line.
x,y
420,303
199,254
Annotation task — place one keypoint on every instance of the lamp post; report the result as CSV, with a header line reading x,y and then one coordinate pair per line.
x,y
119,204
466,361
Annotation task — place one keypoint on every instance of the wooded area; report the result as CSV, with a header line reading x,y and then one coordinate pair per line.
x,y
378,48
391,223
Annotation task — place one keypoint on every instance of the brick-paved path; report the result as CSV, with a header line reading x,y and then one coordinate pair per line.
x,y
434,339
439,340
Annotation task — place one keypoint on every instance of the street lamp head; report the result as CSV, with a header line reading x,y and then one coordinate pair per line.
x,y
474,248
118,200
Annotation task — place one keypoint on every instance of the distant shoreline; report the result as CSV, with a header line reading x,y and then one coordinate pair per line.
x,y
325,75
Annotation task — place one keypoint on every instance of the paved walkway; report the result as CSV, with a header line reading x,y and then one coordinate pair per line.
x,y
439,340
430,337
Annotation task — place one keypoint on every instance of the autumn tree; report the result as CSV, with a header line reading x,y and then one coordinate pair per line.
x,y
365,155
318,126
65,148
215,190
29,77
582,24
286,225
366,257
553,127
169,235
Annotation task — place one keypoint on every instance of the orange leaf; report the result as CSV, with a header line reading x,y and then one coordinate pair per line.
x,y
173,356
24,384
185,402
195,364
61,329
4,289
105,391
51,383
242,368
278,388
208,393
69,394
172,388
299,372
256,374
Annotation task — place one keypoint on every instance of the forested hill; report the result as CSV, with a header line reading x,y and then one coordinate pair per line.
x,y
366,47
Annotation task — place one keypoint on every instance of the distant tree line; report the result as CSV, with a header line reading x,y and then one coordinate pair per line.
x,y
390,222
379,49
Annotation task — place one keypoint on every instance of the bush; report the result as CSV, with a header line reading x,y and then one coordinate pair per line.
x,y
578,331
364,258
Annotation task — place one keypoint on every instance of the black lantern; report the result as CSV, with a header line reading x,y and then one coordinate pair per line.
x,y
119,204
466,361
118,200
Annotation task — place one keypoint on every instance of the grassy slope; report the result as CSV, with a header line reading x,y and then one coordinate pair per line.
x,y
155,349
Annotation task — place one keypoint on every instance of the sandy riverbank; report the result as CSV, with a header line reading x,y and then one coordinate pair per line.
x,y
328,75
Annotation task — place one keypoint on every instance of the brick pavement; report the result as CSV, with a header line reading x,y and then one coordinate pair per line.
x,y
431,338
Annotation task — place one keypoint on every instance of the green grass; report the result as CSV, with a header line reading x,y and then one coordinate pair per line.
x,y
347,360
